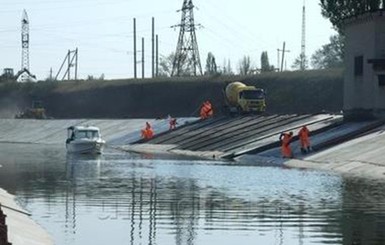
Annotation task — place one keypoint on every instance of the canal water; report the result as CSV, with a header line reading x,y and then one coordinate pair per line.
x,y
121,198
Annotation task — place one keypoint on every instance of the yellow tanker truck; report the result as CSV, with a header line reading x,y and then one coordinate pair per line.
x,y
244,99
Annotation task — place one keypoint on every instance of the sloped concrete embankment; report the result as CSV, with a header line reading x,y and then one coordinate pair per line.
x,y
361,157
115,132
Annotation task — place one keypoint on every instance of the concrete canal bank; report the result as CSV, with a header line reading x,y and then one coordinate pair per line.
x,y
352,148
20,228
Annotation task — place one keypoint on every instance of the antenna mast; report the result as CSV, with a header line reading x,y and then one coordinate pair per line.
x,y
25,42
24,74
187,61
303,43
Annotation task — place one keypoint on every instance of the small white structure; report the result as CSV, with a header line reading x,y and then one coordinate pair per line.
x,y
84,140
364,87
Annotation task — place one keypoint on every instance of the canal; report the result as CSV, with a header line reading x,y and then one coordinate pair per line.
x,y
121,198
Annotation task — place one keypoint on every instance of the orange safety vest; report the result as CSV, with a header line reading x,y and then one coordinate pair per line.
x,y
303,135
150,133
147,133
285,148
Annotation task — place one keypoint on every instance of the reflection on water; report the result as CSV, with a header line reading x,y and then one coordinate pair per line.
x,y
119,198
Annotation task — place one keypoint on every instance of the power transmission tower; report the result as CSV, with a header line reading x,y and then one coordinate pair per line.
x,y
303,64
187,61
24,74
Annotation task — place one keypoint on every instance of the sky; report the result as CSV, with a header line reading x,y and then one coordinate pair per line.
x,y
102,30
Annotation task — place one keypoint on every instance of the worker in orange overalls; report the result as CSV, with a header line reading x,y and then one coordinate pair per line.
x,y
303,135
286,139
147,133
206,110
172,122
209,109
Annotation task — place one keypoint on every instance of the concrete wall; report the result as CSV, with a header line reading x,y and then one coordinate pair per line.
x,y
365,36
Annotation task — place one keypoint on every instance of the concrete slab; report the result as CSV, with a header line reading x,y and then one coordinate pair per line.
x,y
22,230
362,158
368,149
115,132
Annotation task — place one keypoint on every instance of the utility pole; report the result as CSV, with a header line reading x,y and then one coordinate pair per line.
x,y
76,63
157,56
50,74
153,48
69,65
303,42
283,54
142,57
278,51
135,63
187,60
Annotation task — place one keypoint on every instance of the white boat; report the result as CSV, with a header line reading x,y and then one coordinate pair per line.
x,y
84,140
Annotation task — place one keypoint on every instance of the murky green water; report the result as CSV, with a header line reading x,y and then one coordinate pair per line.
x,y
120,198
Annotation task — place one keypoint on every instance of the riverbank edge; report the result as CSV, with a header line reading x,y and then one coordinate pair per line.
x,y
356,169
22,229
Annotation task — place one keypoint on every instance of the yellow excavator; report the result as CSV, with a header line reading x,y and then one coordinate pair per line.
x,y
36,111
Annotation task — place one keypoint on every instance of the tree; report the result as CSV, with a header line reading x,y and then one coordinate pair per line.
x,y
227,70
301,63
8,75
265,64
93,78
211,66
245,66
338,10
165,65
330,55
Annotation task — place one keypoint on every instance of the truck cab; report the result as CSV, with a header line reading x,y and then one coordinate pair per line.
x,y
252,100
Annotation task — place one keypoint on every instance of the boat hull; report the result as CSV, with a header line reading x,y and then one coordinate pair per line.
x,y
85,147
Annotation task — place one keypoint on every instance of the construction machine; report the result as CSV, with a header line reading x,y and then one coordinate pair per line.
x,y
243,99
36,111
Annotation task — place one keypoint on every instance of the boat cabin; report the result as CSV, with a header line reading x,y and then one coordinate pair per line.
x,y
82,132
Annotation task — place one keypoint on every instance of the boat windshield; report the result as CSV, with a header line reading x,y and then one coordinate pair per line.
x,y
252,94
89,134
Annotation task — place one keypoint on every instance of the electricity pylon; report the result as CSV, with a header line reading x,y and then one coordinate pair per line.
x,y
186,60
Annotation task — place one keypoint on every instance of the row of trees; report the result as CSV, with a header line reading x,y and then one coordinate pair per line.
x,y
328,56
